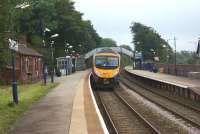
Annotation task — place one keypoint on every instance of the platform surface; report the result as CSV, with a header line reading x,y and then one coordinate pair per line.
x,y
61,111
183,82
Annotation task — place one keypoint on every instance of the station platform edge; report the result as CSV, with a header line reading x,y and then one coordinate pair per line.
x,y
191,85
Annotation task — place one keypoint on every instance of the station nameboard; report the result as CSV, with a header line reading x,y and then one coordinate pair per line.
x,y
138,55
13,45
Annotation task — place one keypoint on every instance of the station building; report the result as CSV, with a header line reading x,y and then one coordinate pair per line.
x,y
29,66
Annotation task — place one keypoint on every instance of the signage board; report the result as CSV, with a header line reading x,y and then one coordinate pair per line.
x,y
13,45
138,55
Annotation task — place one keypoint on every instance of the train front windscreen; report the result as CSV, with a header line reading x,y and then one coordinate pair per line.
x,y
106,62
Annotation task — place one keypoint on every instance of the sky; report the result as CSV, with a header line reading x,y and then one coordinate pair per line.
x,y
170,18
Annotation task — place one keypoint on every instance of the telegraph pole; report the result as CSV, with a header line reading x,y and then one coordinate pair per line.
x,y
175,67
52,62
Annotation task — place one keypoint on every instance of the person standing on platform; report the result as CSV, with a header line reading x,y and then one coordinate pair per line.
x,y
45,74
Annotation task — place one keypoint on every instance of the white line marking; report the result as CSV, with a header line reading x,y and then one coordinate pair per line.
x,y
97,109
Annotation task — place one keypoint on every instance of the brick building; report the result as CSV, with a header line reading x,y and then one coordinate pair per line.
x,y
29,65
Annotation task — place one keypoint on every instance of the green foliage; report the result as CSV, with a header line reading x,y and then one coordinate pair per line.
x,y
187,57
8,113
126,60
62,18
4,51
89,62
150,43
108,42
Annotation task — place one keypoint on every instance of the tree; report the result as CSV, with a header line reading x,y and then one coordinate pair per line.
x,y
4,17
108,42
62,18
187,57
150,43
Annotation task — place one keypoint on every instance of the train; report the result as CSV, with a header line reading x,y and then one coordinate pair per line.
x,y
106,69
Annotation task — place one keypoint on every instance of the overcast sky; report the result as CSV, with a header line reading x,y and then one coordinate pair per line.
x,y
112,19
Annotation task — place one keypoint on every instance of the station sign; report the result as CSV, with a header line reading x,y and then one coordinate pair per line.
x,y
156,58
138,55
13,45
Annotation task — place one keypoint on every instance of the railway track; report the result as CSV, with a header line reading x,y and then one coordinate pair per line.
x,y
162,95
123,117
189,114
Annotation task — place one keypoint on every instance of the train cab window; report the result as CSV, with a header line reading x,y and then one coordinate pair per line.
x,y
106,62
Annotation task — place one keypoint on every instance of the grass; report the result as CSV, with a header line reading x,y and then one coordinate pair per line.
x,y
28,94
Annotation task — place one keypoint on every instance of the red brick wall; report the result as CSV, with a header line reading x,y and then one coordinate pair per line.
x,y
25,71
31,68
182,70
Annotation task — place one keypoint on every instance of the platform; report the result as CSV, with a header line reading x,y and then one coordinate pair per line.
x,y
68,108
182,82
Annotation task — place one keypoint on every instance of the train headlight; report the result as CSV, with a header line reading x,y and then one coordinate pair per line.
x,y
97,73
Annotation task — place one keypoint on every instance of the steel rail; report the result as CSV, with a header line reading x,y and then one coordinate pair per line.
x,y
108,115
166,97
156,131
167,109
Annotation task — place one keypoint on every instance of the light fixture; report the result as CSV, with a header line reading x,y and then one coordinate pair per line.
x,y
55,35
23,5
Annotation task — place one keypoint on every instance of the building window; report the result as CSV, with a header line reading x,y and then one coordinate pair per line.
x,y
27,65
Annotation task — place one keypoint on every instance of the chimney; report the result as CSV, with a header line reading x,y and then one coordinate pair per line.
x,y
23,40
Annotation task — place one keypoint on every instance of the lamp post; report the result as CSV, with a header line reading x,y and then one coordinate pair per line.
x,y
13,53
175,64
165,47
169,56
134,54
134,59
52,57
67,46
52,62
14,46
44,34
45,70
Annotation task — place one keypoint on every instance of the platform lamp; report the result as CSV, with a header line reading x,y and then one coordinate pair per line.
x,y
13,46
66,71
167,50
135,53
45,71
52,57
66,52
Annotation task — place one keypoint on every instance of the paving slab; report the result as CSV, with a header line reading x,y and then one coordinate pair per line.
x,y
95,122
85,119
78,120
184,82
52,113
